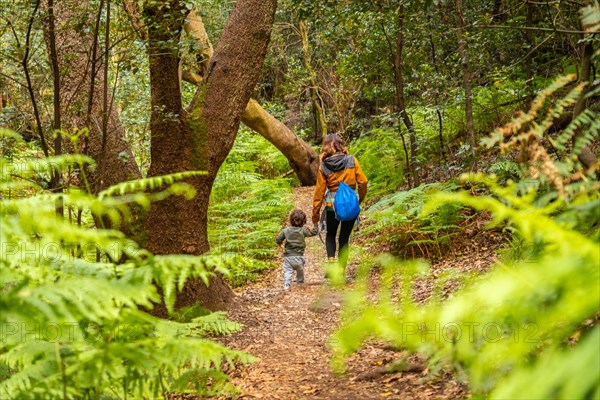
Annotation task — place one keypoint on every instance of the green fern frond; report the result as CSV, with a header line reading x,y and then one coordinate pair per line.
x,y
74,326
146,184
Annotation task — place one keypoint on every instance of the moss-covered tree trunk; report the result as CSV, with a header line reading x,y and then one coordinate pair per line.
x,y
301,157
200,137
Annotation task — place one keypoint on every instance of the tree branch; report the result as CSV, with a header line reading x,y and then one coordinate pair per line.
x,y
132,8
29,84
105,88
532,28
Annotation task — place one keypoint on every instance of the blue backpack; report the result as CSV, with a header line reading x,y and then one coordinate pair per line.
x,y
345,203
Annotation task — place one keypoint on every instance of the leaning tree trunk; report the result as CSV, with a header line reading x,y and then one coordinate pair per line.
x,y
81,96
302,158
199,138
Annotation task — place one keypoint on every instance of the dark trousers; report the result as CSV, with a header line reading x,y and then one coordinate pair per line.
x,y
332,228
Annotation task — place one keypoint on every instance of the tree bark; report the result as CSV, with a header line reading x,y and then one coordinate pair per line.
x,y
466,73
194,27
201,137
302,158
313,90
56,123
117,163
529,57
400,101
586,156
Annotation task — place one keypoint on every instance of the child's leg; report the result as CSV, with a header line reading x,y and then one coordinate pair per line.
x,y
296,263
288,271
300,270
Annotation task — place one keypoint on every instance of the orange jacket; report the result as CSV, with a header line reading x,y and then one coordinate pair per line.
x,y
338,167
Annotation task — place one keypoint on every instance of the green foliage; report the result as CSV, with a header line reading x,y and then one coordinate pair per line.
x,y
399,221
505,170
248,206
73,326
531,316
142,185
380,155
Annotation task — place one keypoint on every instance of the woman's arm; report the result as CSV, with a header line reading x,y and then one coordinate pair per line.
x,y
361,180
319,195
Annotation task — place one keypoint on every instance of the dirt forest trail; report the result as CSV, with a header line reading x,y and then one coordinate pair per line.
x,y
289,332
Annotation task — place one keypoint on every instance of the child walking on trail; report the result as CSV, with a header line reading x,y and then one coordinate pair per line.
x,y
293,255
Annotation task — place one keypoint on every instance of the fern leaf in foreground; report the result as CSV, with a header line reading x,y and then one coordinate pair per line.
x,y
73,327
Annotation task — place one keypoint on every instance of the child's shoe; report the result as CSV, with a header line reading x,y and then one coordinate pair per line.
x,y
286,287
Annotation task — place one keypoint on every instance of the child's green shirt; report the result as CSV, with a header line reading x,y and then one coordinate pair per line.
x,y
294,239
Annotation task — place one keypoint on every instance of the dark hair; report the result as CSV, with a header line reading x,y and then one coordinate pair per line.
x,y
332,144
297,218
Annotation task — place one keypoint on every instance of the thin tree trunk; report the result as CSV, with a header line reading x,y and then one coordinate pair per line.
x,y
56,124
529,58
586,156
466,73
434,62
93,69
105,110
56,81
313,90
400,101
441,133
393,61
25,64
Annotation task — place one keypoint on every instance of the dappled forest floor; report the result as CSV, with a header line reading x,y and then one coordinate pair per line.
x,y
289,331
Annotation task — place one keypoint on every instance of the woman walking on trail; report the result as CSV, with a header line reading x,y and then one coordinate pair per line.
x,y
336,166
